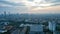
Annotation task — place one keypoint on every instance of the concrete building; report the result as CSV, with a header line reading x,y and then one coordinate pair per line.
x,y
52,25
36,29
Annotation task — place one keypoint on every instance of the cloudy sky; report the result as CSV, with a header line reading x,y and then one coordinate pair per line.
x,y
30,6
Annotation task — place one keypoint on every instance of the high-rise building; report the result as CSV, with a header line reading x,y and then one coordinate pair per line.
x,y
4,14
52,26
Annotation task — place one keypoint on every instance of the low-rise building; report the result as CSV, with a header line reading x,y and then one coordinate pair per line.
x,y
36,29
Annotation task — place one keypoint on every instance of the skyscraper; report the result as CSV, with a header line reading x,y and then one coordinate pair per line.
x,y
4,14
52,26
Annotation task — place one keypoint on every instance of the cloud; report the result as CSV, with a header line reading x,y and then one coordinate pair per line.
x,y
49,10
28,6
43,4
54,2
11,3
30,0
14,9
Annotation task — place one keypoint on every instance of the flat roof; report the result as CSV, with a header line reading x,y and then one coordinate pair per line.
x,y
36,28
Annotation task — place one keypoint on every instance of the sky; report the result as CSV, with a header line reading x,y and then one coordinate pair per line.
x,y
30,6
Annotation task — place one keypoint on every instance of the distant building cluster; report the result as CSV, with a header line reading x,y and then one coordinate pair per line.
x,y
29,24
